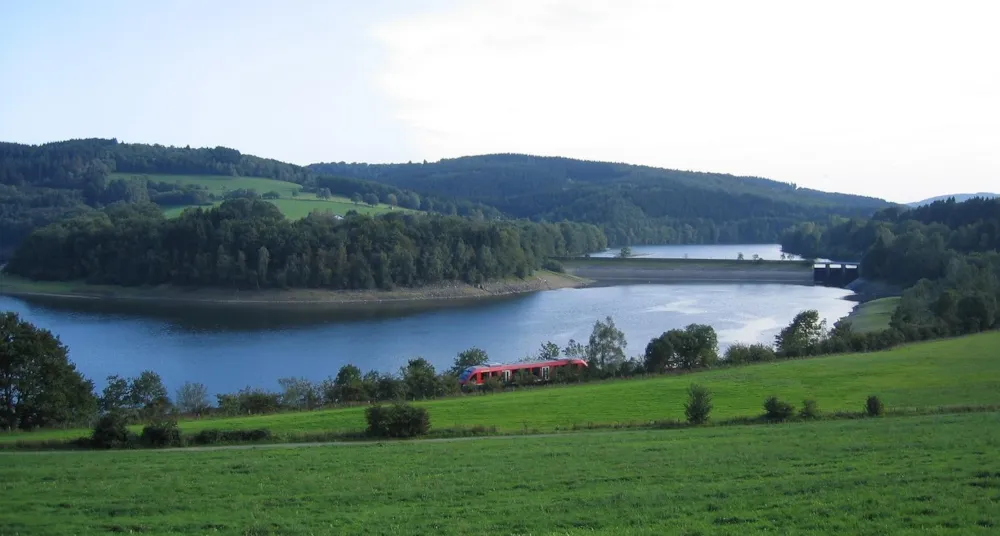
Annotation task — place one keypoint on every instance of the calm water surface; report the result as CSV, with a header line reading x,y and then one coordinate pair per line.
x,y
227,349
768,252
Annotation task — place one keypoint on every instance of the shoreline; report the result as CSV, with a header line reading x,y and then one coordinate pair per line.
x,y
17,287
579,273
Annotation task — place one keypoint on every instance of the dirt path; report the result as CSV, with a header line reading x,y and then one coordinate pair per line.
x,y
273,446
266,446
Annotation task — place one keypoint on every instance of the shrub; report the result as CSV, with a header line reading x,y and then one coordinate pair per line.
x,y
874,406
739,354
111,432
398,420
553,265
207,437
699,404
776,410
810,410
492,385
212,436
161,434
249,401
246,436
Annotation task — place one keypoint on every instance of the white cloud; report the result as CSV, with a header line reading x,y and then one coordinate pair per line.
x,y
895,99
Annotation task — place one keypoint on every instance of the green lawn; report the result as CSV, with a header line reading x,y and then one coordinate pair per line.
x,y
948,372
293,207
873,316
219,184
913,475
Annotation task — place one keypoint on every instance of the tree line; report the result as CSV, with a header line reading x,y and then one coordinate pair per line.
x,y
40,386
42,184
945,254
249,244
631,204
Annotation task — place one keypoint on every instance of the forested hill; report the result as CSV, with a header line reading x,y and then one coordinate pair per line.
x,y
633,204
249,244
41,184
948,251
956,197
904,245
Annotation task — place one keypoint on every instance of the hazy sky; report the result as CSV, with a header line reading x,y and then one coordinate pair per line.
x,y
896,99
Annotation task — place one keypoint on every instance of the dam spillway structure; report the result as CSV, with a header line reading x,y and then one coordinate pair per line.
x,y
836,274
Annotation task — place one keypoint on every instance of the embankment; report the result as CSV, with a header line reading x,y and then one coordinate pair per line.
x,y
541,280
606,271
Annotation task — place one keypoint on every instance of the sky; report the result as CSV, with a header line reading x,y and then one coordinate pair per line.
x,y
892,99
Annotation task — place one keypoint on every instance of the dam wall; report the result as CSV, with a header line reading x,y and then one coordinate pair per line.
x,y
633,271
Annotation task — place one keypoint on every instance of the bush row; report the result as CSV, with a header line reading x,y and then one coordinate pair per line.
x,y
111,432
699,406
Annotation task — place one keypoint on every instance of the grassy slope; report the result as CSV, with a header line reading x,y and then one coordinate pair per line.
x,y
911,475
957,371
292,207
873,316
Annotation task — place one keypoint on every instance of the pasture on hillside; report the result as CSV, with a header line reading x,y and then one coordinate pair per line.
x,y
962,371
293,207
873,316
931,474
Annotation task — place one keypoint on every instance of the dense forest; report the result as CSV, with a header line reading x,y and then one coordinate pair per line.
x,y
632,204
248,244
945,252
41,184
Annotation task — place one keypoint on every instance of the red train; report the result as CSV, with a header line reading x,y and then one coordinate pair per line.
x,y
540,369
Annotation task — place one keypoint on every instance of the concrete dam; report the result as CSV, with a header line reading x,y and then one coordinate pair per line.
x,y
612,271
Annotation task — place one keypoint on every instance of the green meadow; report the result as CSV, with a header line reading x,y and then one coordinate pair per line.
x,y
292,206
962,371
873,316
908,475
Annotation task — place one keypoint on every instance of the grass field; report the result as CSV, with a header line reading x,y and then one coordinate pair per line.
x,y
873,316
293,207
948,372
927,475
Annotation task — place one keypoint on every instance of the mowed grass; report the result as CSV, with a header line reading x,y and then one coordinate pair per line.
x,y
948,372
873,316
293,207
914,475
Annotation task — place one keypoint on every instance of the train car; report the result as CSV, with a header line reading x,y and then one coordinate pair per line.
x,y
540,369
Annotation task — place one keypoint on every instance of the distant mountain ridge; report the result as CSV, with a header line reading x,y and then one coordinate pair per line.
x,y
633,204
958,198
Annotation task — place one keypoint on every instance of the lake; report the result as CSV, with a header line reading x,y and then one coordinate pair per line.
x,y
227,349
768,252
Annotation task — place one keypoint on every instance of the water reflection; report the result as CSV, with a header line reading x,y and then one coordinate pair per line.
x,y
231,347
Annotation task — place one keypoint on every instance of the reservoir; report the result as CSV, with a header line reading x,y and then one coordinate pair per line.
x,y
231,348
767,252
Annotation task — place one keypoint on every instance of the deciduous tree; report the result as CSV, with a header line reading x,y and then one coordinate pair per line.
x,y
192,398
802,336
606,348
39,385
472,357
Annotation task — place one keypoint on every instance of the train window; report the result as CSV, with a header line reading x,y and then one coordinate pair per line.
x,y
545,373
